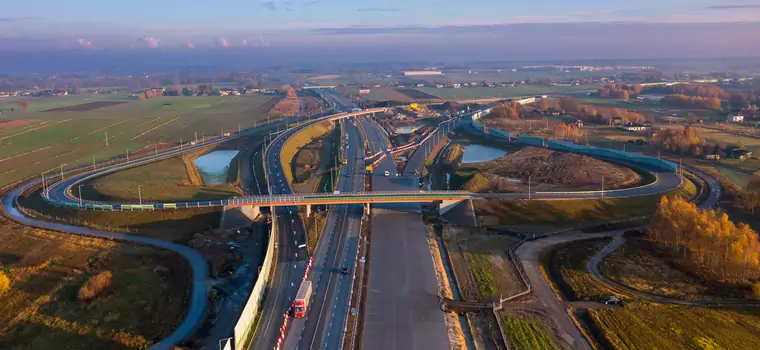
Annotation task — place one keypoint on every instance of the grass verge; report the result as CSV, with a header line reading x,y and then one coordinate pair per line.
x,y
144,303
527,331
299,140
571,213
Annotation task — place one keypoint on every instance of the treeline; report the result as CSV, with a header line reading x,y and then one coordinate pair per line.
x,y
723,250
148,94
566,132
689,89
508,110
570,105
685,101
681,141
621,91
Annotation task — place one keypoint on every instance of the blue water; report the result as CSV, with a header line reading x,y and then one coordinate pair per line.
x,y
214,166
407,129
478,153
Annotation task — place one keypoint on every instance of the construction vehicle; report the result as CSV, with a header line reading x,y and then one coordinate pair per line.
x,y
303,297
345,161
368,168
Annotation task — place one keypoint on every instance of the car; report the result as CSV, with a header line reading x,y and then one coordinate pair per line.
x,y
611,300
387,173
344,269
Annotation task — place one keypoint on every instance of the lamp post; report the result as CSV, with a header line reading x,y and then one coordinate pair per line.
x,y
139,193
80,195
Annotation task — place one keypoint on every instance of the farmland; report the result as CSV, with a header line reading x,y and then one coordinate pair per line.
x,y
73,138
144,302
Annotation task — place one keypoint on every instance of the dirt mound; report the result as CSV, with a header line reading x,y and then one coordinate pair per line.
x,y
550,170
286,105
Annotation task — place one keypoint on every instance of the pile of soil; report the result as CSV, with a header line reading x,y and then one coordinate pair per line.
x,y
551,170
287,105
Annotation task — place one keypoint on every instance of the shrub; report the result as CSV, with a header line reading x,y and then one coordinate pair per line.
x,y
94,286
755,289
5,283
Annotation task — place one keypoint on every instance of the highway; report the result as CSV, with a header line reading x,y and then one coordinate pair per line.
x,y
291,260
402,294
322,328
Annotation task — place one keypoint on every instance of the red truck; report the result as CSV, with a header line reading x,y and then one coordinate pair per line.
x,y
303,297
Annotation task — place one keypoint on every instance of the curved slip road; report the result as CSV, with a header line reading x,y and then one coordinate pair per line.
x,y
529,252
198,297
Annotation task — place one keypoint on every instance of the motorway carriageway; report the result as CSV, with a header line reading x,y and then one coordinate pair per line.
x,y
323,326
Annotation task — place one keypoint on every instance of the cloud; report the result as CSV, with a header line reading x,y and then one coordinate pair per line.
x,y
270,5
378,9
149,42
222,42
17,19
244,43
84,42
733,7
190,45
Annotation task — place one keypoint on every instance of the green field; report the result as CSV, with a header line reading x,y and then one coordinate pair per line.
x,y
166,180
500,92
528,332
74,138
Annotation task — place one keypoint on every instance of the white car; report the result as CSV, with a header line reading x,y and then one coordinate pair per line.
x,y
387,173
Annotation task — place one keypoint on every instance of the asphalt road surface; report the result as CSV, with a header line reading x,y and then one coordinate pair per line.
x,y
529,256
291,260
402,295
323,326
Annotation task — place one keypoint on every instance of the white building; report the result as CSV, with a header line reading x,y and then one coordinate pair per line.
x,y
421,72
635,127
735,118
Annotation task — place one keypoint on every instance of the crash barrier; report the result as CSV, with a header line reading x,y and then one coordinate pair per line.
x,y
649,162
244,323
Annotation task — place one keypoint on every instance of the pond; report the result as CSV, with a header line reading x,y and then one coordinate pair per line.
x,y
214,166
407,129
475,153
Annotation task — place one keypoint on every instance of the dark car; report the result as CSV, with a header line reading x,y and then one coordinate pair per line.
x,y
344,269
611,300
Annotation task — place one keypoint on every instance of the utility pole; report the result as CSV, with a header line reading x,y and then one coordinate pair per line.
x,y
44,185
61,172
180,143
196,137
80,195
602,186
155,145
93,163
139,194
106,139
239,127
127,155
203,137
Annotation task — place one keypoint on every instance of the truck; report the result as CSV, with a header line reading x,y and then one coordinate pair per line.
x,y
303,297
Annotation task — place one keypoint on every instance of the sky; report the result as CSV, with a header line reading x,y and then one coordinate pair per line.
x,y
537,26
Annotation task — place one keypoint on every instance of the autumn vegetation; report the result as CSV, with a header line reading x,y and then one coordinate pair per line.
x,y
566,132
5,283
620,91
508,110
570,105
720,249
685,101
95,286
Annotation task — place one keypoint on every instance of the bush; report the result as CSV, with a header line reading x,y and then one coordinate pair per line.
x,y
94,286
5,283
755,289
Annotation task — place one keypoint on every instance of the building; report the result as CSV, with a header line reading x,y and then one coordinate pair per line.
x,y
742,154
576,123
735,117
712,156
636,127
416,73
616,121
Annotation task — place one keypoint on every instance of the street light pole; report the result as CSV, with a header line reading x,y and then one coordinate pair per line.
x,y
139,193
80,195
602,186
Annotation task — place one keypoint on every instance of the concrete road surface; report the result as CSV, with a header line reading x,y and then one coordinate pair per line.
x,y
402,294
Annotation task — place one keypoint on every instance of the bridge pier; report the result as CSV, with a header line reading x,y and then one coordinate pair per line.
x,y
308,210
367,208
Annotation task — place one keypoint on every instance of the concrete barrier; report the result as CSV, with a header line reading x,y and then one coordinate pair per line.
x,y
244,324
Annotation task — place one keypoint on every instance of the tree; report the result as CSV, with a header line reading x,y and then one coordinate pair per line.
x,y
95,286
569,104
5,283
543,105
738,100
